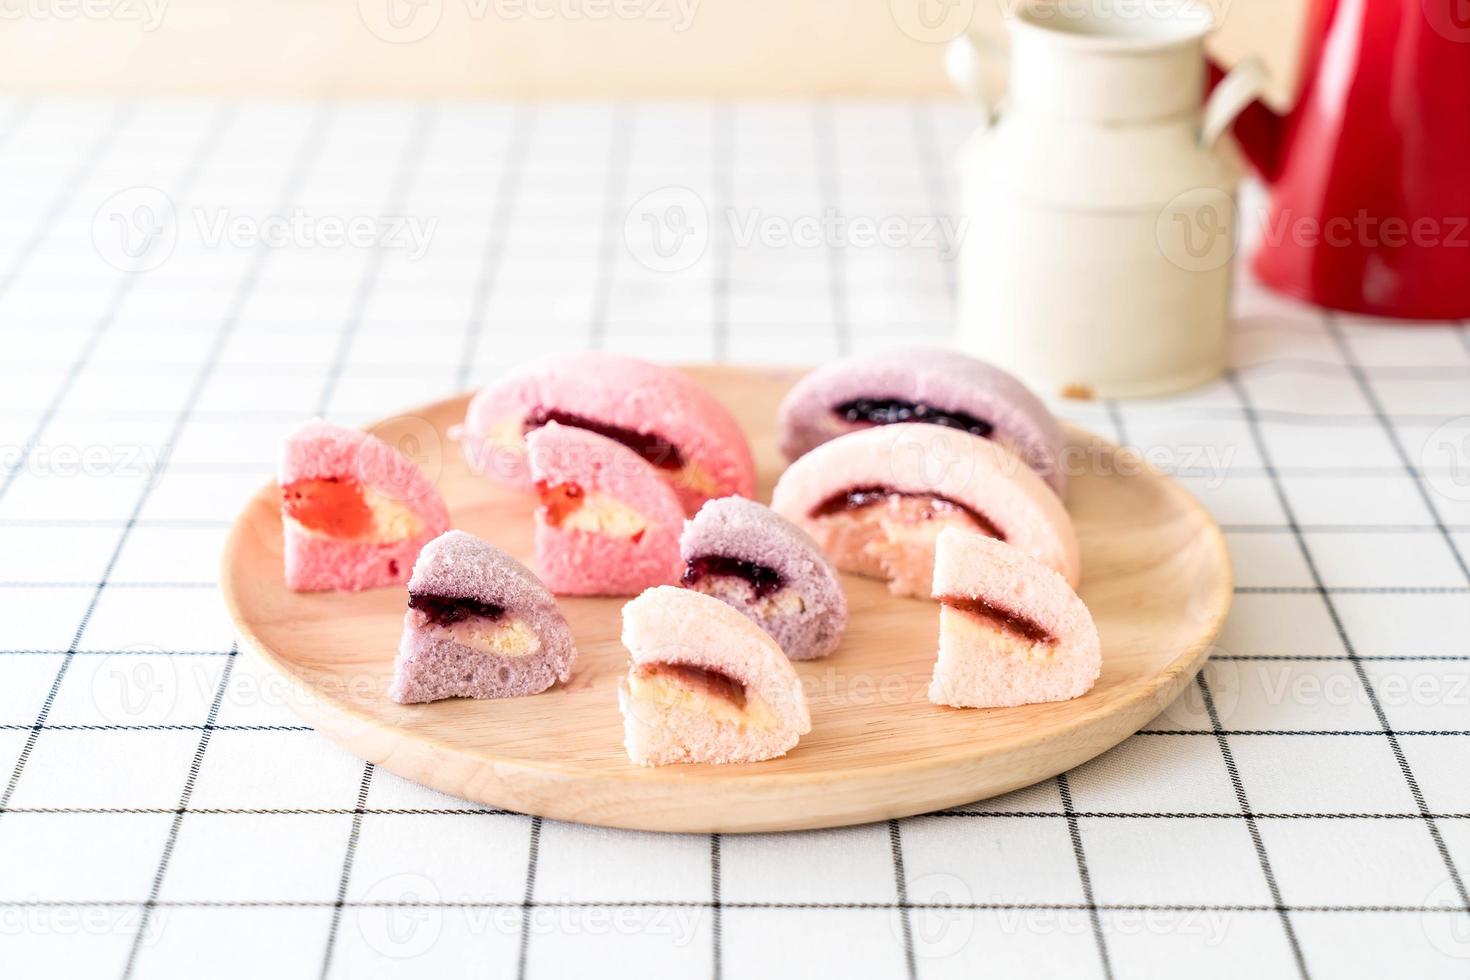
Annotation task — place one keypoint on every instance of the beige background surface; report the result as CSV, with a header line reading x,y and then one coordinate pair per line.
x,y
533,48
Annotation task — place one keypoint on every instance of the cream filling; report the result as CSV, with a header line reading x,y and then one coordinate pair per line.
x,y
732,588
668,693
601,514
497,638
969,635
392,521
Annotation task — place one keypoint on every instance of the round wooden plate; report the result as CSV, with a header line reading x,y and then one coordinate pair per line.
x,y
1155,575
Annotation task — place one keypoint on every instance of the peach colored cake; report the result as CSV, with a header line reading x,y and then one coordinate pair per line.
x,y
354,512
1011,630
608,524
657,412
705,684
876,499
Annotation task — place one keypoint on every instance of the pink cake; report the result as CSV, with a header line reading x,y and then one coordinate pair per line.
x,y
479,625
354,511
875,500
938,387
659,413
705,684
607,524
1011,630
768,569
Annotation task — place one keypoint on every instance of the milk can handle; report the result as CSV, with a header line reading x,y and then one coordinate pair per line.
x,y
1236,90
965,64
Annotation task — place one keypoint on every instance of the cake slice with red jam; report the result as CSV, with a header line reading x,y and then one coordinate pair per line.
x,y
769,570
705,684
659,413
479,625
608,525
1011,630
354,511
875,500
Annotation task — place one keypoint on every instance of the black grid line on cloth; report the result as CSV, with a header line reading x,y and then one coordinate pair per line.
x,y
348,858
295,177
117,121
528,901
122,288
1342,634
901,887
824,146
1257,842
507,188
614,208
1079,854
404,175
173,831
717,925
1350,358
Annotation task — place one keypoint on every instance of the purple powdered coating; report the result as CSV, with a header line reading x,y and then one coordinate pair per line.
x,y
431,666
941,379
734,527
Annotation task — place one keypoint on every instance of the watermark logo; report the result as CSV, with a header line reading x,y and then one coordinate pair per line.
x,y
1196,230
1449,19
1191,711
136,229
132,688
932,21
147,14
399,919
936,456
1444,459
400,21
940,923
667,230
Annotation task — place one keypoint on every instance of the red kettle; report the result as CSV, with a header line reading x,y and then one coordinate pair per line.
x,y
1369,174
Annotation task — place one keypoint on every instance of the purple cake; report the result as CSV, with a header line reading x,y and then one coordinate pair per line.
x,y
941,387
767,568
479,625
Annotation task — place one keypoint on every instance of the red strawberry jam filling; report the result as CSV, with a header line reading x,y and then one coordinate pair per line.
x,y
701,680
559,500
763,580
650,445
930,506
447,610
1000,617
886,411
333,506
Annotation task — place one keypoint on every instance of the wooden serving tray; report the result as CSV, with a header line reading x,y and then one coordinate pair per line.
x,y
1156,576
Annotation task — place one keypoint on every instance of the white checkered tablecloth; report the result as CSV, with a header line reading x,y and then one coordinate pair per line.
x,y
1303,810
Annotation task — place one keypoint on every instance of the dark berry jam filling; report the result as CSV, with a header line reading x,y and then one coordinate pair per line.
x,y
712,683
763,579
443,610
650,445
333,506
559,500
886,411
1008,620
859,498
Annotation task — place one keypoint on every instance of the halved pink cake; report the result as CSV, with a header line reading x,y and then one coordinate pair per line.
x,y
479,625
705,684
1011,630
657,412
760,564
354,511
932,386
875,500
607,524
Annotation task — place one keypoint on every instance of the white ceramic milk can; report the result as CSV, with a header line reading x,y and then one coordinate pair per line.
x,y
1101,213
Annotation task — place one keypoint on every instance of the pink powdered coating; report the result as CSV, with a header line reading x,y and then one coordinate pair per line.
x,y
621,391
672,625
581,562
430,666
943,379
320,451
734,527
971,566
921,459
